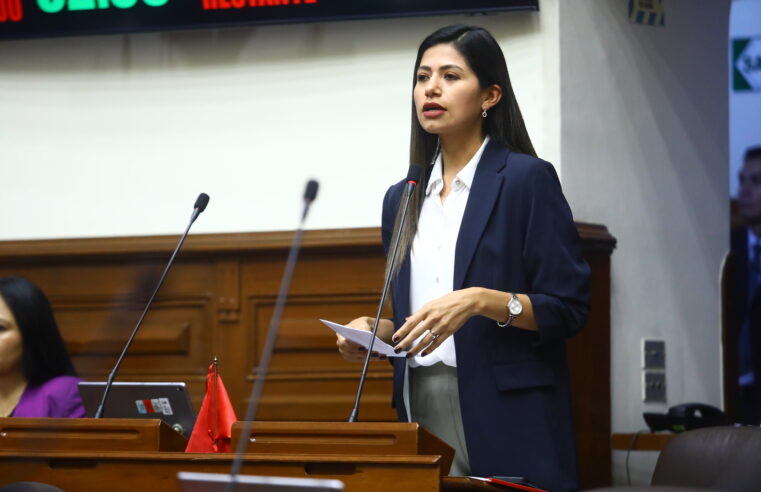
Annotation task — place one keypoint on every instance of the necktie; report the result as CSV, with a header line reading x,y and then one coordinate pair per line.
x,y
754,271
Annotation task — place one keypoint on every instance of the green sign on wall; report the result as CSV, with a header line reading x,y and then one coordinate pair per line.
x,y
746,64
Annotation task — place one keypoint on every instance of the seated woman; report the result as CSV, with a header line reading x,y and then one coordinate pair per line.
x,y
37,378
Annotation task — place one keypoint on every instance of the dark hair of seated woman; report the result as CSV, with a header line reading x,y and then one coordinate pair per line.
x,y
37,377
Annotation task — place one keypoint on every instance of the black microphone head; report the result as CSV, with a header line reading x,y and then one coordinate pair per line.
x,y
310,193
414,173
201,202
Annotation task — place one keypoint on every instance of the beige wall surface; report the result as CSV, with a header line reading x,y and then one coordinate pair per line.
x,y
644,139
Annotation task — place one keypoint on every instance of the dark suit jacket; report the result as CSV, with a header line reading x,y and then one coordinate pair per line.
x,y
517,235
742,308
739,247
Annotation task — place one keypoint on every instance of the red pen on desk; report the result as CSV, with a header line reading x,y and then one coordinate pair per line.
x,y
517,483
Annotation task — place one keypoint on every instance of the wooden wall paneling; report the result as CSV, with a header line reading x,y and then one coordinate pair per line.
x,y
307,380
731,315
304,362
97,304
228,330
228,291
589,360
327,397
304,343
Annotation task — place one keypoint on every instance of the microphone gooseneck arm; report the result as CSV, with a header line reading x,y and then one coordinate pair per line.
x,y
269,344
408,195
200,205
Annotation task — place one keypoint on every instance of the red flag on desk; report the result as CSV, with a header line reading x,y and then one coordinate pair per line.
x,y
211,434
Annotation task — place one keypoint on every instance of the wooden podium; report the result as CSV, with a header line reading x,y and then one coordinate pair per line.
x,y
344,438
127,455
18,434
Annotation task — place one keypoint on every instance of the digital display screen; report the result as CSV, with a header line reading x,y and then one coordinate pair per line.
x,y
43,18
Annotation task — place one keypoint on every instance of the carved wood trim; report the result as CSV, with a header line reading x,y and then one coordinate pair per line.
x,y
594,236
228,289
161,339
197,244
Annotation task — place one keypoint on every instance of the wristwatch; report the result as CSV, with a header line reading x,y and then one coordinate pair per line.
x,y
514,308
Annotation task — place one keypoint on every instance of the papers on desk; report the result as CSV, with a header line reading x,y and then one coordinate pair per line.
x,y
363,338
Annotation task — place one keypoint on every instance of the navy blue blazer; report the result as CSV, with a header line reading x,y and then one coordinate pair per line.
x,y
517,235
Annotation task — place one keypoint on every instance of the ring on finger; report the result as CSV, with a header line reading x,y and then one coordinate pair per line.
x,y
434,336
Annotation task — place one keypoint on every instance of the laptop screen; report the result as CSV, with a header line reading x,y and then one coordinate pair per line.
x,y
169,402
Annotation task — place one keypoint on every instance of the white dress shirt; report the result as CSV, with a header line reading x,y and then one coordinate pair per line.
x,y
433,248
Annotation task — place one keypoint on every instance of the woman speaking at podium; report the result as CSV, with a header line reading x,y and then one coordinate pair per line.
x,y
37,378
490,280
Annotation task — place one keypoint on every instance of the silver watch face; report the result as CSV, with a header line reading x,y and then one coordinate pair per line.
x,y
514,306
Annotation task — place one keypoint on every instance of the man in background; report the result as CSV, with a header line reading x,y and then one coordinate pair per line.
x,y
746,245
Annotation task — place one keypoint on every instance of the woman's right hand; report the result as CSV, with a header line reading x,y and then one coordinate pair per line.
x,y
355,352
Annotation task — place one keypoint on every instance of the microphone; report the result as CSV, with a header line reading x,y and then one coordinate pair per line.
x,y
310,193
201,202
413,176
200,205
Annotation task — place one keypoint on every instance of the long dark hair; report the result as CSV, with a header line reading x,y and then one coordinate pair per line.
x,y
45,355
504,123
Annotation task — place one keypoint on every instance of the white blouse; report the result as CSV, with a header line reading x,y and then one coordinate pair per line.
x,y
433,248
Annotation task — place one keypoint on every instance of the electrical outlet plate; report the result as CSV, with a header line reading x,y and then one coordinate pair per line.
x,y
654,387
653,354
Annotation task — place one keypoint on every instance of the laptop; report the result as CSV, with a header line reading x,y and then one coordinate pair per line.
x,y
169,402
217,482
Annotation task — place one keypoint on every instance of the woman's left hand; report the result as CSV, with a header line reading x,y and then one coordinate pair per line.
x,y
442,317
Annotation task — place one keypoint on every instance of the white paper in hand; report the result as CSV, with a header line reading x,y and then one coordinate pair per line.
x,y
362,337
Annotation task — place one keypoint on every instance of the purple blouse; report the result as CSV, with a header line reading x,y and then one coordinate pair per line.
x,y
58,397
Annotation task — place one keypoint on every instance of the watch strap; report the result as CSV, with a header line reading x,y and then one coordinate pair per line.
x,y
510,316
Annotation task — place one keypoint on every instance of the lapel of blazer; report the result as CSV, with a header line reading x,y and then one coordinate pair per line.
x,y
483,195
401,283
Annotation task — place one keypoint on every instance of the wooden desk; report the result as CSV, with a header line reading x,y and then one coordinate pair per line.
x,y
44,434
643,442
342,438
132,454
131,471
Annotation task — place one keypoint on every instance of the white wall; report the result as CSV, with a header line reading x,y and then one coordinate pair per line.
x,y
645,151
116,135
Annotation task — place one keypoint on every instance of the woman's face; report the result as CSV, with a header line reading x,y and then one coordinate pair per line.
x,y
448,97
11,349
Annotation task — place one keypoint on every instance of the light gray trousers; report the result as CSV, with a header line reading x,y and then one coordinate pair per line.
x,y
435,404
